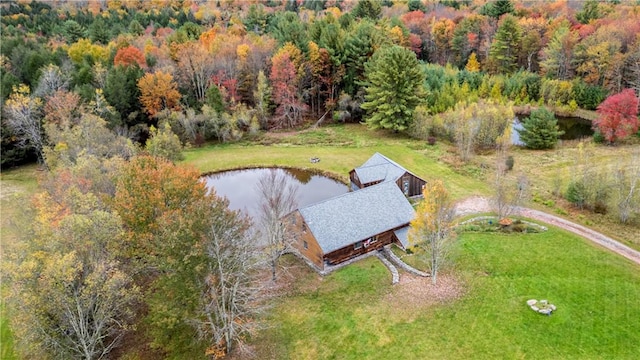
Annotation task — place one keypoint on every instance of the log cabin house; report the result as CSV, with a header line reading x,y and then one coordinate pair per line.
x,y
379,169
375,214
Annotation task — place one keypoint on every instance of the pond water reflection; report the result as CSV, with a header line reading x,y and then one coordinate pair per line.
x,y
573,127
240,187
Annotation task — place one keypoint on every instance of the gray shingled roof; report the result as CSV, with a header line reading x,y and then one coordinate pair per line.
x,y
379,167
403,235
358,215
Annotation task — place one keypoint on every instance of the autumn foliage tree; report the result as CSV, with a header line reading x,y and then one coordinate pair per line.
x,y
128,56
431,230
158,91
195,252
70,296
23,116
618,116
284,84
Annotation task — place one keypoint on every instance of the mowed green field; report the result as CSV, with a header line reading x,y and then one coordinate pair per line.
x,y
340,148
355,313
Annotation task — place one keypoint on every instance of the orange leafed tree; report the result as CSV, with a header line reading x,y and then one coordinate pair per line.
x,y
158,92
61,107
128,56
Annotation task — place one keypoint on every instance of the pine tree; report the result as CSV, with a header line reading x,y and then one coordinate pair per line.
x,y
473,65
540,130
393,88
503,54
589,12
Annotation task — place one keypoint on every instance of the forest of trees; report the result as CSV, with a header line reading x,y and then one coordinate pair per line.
x,y
218,70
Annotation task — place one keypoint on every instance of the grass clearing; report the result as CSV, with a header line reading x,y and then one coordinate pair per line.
x,y
347,314
354,146
548,170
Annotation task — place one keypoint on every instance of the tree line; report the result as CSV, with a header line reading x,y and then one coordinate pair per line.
x,y
223,70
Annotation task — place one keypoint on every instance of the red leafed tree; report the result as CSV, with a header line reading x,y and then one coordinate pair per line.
x,y
416,44
284,82
128,56
618,116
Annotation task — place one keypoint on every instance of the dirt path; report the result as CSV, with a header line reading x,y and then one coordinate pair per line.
x,y
478,204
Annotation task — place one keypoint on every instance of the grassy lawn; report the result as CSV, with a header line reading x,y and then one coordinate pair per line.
x,y
349,314
340,149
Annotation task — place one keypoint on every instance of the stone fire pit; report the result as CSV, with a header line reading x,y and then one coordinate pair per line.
x,y
541,307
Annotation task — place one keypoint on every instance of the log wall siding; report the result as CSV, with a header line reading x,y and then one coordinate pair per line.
x,y
313,252
348,252
415,184
354,179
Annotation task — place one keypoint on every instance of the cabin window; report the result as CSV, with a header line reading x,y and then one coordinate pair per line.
x,y
358,245
304,228
405,186
305,245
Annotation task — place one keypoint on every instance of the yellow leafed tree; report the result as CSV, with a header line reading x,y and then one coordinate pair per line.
x,y
158,92
431,230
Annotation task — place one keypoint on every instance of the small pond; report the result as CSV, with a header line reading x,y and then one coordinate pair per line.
x,y
240,187
573,127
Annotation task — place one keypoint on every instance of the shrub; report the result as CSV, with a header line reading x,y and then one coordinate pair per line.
x,y
588,96
509,163
577,194
598,138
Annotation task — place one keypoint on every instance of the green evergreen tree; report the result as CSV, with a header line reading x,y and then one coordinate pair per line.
x,y
589,12
72,31
287,27
135,27
98,31
503,55
122,92
393,85
557,57
370,9
497,8
416,5
358,47
540,130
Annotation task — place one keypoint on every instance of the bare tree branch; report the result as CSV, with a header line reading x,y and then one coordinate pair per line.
x,y
277,199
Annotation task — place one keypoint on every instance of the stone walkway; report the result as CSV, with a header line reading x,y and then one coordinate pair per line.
x,y
474,205
403,265
395,276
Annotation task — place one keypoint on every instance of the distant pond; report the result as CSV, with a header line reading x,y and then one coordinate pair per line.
x,y
573,127
240,187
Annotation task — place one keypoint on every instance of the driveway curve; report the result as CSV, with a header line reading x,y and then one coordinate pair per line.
x,y
477,204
